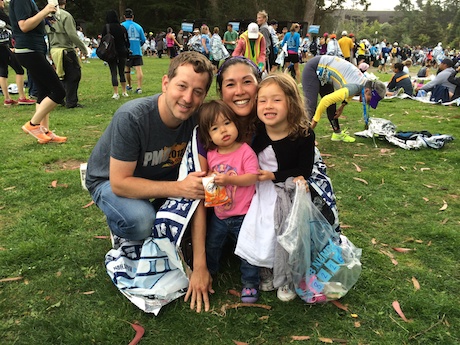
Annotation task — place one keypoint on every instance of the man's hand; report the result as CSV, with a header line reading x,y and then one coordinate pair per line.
x,y
199,286
192,186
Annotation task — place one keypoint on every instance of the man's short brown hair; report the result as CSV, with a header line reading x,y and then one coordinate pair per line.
x,y
200,63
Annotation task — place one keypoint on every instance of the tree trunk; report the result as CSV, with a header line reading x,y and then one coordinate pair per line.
x,y
121,9
309,11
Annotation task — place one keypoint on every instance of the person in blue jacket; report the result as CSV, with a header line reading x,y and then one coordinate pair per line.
x,y
136,40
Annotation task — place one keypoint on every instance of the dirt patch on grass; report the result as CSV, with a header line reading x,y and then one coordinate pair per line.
x,y
71,164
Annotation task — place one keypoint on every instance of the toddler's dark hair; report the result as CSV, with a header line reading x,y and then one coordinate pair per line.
x,y
208,114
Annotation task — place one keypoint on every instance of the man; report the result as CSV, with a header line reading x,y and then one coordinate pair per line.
x,y
441,79
346,45
136,40
399,80
251,45
336,80
262,19
230,38
63,39
138,156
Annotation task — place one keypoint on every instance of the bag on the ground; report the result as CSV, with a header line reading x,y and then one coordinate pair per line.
x,y
106,50
324,264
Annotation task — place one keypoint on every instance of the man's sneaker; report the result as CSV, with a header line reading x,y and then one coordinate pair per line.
x,y
400,91
9,102
125,94
26,101
249,295
116,96
342,136
138,90
128,88
266,279
54,138
285,293
36,132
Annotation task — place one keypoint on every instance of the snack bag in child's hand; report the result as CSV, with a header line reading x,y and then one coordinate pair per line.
x,y
214,195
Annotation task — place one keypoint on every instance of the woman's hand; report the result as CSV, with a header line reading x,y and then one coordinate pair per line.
x,y
313,124
339,111
265,175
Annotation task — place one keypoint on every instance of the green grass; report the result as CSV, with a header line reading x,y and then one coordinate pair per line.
x,y
48,238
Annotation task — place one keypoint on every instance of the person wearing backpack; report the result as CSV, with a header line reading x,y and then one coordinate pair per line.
x,y
117,66
313,48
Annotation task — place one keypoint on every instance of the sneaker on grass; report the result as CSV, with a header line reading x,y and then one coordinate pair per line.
x,y
285,293
249,295
26,101
138,91
342,136
54,138
9,102
37,132
116,96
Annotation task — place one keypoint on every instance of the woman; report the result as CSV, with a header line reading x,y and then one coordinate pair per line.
x,y
171,43
218,51
120,35
205,41
237,82
28,24
7,58
292,38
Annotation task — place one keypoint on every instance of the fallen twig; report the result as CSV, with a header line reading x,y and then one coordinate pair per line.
x,y
428,329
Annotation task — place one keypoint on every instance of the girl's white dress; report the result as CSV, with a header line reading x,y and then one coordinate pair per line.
x,y
256,241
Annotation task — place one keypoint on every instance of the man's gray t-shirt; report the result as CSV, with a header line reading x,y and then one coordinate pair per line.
x,y
137,133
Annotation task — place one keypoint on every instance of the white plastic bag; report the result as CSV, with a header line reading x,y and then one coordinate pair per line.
x,y
324,264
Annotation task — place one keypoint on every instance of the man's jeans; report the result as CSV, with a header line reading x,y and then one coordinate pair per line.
x,y
217,233
127,218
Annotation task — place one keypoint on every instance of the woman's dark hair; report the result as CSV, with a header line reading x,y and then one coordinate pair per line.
x,y
111,17
208,114
233,61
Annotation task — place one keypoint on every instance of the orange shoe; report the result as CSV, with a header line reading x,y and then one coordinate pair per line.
x,y
37,132
54,138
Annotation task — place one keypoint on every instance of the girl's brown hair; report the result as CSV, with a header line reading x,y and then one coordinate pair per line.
x,y
208,114
297,115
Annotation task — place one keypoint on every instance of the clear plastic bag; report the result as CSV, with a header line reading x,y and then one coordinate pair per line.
x,y
324,264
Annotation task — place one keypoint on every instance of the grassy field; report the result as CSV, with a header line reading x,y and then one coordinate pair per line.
x,y
48,238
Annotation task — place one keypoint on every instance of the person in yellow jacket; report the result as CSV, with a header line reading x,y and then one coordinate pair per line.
x,y
336,80
252,45
346,45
